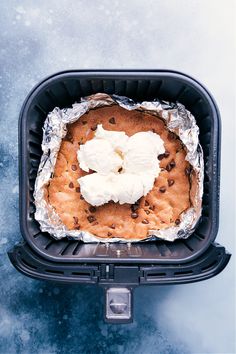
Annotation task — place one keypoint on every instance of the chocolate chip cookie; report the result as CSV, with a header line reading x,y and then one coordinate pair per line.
x,y
160,208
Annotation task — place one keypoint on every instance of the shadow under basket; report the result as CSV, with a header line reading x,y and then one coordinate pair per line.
x,y
119,267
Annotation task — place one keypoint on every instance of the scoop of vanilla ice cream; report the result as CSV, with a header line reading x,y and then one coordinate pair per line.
x,y
140,156
96,189
148,181
128,188
100,189
118,140
99,155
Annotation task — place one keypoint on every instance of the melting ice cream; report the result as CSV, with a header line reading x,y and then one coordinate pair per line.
x,y
124,167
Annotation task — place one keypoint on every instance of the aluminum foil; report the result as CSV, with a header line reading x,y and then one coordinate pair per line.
x,y
178,120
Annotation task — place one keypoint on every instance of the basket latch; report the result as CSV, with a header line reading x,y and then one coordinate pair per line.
x,y
118,305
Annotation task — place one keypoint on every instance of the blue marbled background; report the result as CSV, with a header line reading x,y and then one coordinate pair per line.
x,y
41,37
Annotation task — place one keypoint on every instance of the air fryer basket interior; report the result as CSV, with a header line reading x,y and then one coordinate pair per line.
x,y
65,88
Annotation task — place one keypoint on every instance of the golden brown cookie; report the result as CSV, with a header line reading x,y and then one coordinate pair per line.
x,y
162,206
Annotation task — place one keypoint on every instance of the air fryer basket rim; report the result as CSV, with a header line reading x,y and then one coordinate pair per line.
x,y
131,71
115,74
37,267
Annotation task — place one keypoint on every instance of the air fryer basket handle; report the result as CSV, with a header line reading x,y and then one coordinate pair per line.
x,y
118,306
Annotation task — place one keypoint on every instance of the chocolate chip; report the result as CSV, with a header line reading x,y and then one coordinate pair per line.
x,y
112,120
146,203
68,137
153,130
170,165
161,157
77,227
73,167
81,197
188,170
92,209
120,169
76,220
94,128
162,189
171,136
177,221
77,189
167,154
109,234
71,185
145,221
134,207
134,215
147,212
112,226
84,122
91,218
170,182
152,207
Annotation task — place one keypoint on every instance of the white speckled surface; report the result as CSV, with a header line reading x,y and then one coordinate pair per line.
x,y
40,38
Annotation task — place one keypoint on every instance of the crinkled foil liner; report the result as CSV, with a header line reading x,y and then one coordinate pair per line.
x,y
178,120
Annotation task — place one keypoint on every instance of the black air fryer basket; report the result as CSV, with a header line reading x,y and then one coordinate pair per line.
x,y
119,267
